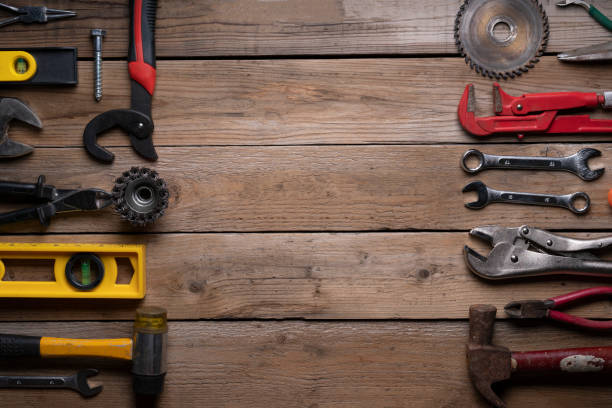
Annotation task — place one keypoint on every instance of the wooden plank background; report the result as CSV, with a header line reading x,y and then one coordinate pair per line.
x,y
311,255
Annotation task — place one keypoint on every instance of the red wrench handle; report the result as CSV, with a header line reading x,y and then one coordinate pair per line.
x,y
553,101
141,53
564,361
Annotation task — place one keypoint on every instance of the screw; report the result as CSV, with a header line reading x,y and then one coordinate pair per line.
x,y
519,107
97,34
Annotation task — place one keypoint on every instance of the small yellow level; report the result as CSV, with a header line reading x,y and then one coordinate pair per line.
x,y
80,271
17,66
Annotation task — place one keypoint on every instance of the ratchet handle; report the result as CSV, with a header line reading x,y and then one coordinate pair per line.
x,y
564,361
12,345
141,53
600,17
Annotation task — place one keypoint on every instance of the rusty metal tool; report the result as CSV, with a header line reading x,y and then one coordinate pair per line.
x,y
487,195
547,309
14,109
534,113
527,251
497,53
489,363
576,163
595,53
77,382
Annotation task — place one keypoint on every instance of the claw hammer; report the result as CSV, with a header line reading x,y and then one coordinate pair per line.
x,y
146,350
489,363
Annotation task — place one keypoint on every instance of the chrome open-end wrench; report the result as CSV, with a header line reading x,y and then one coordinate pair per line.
x,y
77,382
488,195
576,163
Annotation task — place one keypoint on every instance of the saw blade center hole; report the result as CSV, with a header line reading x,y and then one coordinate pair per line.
x,y
502,30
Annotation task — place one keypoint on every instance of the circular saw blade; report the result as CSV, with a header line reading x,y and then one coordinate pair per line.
x,y
501,53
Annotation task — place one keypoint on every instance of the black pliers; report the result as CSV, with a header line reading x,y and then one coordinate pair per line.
x,y
51,200
28,15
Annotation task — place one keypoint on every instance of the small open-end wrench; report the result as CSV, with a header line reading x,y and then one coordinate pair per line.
x,y
77,382
488,195
576,163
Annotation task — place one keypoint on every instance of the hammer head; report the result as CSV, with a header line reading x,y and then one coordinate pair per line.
x,y
149,354
487,363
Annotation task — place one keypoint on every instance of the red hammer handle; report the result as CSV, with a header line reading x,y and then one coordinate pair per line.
x,y
564,361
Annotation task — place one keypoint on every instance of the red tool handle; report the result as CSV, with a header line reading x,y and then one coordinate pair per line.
x,y
141,53
580,321
564,361
552,101
581,294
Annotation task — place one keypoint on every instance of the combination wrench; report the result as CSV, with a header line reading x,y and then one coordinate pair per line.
x,y
76,382
576,163
488,195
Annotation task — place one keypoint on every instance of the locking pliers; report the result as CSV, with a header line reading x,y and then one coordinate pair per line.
x,y
527,251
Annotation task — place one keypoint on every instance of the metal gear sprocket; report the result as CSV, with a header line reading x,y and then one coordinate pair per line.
x,y
140,196
502,54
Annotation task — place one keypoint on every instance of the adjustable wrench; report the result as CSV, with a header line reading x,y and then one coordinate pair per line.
x,y
77,382
576,163
488,195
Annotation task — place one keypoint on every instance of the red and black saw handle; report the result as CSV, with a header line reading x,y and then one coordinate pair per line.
x,y
141,53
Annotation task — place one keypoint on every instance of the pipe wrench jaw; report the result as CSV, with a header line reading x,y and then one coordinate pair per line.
x,y
14,109
467,113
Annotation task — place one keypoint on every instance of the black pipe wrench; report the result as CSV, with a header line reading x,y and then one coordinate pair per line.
x,y
136,121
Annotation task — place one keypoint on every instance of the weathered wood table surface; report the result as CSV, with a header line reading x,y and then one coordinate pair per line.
x,y
311,255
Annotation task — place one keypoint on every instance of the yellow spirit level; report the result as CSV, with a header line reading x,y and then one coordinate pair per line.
x,y
39,66
80,271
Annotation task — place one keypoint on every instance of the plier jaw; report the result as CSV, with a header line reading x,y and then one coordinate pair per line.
x,y
528,309
29,14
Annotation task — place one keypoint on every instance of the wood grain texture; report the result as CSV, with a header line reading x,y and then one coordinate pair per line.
x,y
287,27
288,102
318,188
311,276
297,364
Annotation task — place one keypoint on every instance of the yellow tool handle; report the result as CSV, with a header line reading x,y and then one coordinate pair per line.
x,y
12,345
111,348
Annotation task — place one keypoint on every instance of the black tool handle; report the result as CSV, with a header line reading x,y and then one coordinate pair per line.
x,y
42,213
141,53
27,191
31,382
12,345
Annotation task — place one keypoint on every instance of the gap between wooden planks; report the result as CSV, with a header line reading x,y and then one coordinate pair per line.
x,y
289,27
318,188
311,276
288,102
298,364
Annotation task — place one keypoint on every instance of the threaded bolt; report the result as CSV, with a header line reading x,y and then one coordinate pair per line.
x,y
97,34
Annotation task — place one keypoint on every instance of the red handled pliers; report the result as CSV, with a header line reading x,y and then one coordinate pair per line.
x,y
534,113
545,309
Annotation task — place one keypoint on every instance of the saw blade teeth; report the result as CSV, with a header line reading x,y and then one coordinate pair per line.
x,y
515,71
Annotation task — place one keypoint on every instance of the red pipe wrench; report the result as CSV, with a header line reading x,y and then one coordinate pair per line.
x,y
137,120
534,113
